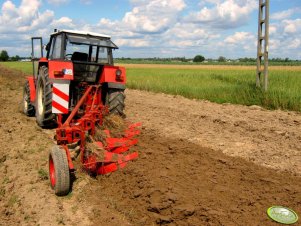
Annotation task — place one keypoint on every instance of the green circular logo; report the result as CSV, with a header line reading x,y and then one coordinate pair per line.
x,y
282,215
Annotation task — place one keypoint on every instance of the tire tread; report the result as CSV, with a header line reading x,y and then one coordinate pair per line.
x,y
30,107
115,101
48,119
62,174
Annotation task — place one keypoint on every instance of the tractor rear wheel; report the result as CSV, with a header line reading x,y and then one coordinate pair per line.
x,y
115,100
59,173
27,107
44,115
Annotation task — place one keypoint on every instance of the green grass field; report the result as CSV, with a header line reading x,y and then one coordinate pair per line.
x,y
169,62
217,84
222,86
26,67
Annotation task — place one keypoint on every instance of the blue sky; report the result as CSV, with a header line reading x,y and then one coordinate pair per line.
x,y
157,28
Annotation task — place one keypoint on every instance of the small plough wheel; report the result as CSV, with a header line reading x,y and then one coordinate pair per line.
x,y
59,174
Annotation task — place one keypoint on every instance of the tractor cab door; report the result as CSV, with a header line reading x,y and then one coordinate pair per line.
x,y
36,54
59,68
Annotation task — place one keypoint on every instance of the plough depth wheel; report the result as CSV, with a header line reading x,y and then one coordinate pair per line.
x,y
59,173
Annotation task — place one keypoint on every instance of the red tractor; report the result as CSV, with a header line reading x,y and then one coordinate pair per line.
x,y
73,88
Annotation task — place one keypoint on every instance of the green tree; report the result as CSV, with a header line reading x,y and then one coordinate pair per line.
x,y
15,58
4,55
198,58
221,59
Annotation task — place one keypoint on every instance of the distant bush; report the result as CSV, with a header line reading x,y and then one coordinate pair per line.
x,y
198,58
4,55
15,58
221,59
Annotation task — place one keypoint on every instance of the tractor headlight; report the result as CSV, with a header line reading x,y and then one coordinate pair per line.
x,y
119,74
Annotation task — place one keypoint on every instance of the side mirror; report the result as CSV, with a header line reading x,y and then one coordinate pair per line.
x,y
46,47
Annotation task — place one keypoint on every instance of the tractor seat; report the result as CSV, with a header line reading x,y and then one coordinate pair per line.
x,y
78,56
83,72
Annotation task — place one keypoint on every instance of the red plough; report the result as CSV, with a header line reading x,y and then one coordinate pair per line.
x,y
74,131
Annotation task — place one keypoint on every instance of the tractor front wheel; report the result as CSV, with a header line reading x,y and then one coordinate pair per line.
x,y
59,173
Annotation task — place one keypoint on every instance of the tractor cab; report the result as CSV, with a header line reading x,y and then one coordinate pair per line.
x,y
88,52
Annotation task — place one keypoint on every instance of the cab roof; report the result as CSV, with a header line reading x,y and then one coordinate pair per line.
x,y
87,38
88,33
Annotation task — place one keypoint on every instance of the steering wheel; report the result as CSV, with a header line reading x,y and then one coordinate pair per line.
x,y
68,56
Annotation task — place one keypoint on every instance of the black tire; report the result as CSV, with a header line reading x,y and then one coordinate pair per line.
x,y
59,173
115,101
43,105
27,107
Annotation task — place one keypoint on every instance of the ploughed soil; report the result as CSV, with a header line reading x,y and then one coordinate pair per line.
x,y
200,164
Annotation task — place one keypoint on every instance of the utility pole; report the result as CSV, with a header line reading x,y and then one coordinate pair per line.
x,y
263,44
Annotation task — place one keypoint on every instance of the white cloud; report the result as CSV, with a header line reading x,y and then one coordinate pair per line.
x,y
285,34
160,28
63,23
9,11
24,18
183,35
292,26
146,18
28,19
285,38
155,16
187,31
275,44
132,42
57,2
224,14
273,29
286,29
240,38
295,43
286,14
86,2
239,44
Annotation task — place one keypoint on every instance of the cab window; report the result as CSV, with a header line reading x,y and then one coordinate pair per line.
x,y
56,51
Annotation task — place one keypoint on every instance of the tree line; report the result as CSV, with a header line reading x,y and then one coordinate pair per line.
x,y
200,58
197,59
5,57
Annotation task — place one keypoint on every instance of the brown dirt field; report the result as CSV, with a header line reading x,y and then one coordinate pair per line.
x,y
211,67
200,164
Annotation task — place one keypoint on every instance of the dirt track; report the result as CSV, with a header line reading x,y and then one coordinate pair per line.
x,y
200,164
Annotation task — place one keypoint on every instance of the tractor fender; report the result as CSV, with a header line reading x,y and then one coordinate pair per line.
x,y
113,85
32,89
108,75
